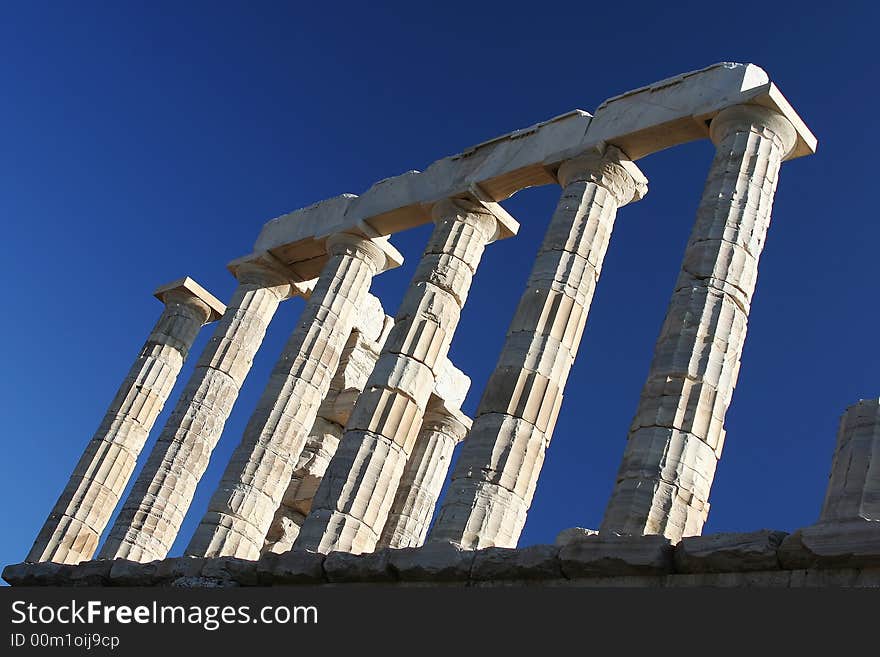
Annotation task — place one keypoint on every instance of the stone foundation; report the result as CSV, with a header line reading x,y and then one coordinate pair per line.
x,y
807,558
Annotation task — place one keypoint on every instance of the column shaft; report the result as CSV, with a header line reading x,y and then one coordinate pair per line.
x,y
354,498
423,476
495,477
74,527
152,514
241,509
357,361
854,486
677,435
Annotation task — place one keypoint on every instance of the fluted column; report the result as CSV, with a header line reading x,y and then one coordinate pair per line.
x,y
677,435
424,475
355,495
73,528
854,486
152,514
495,476
357,361
241,509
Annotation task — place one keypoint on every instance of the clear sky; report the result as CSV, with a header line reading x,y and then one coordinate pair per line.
x,y
146,141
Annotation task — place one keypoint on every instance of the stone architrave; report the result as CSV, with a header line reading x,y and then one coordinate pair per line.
x,y
74,527
355,496
424,475
241,509
151,516
495,476
677,435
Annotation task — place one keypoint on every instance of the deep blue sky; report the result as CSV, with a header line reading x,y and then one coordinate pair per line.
x,y
147,141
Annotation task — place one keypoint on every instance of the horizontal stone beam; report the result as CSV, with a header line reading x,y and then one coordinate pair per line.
x,y
639,122
302,265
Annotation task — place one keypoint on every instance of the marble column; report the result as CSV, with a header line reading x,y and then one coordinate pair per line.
x,y
495,476
424,476
152,514
74,527
854,485
241,509
676,438
354,498
357,361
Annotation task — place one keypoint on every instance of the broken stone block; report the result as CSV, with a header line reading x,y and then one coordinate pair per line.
x,y
226,570
91,573
604,555
729,552
298,567
47,573
433,562
124,572
537,562
571,534
169,570
347,567
853,544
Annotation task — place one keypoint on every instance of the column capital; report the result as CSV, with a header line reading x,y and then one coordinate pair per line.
x,y
467,211
611,169
747,117
377,251
448,421
478,203
265,270
186,290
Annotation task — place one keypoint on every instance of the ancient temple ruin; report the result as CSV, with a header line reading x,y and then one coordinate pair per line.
x,y
341,465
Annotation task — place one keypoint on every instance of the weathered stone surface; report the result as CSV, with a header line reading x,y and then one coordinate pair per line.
x,y
677,435
718,553
616,561
74,526
347,567
355,496
854,544
266,566
291,567
231,571
639,122
602,555
241,509
124,572
372,324
436,562
451,384
572,534
854,485
423,476
92,573
151,516
675,439
168,571
46,573
495,476
355,366
356,363
537,562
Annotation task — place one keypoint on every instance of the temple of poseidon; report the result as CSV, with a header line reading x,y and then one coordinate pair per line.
x,y
338,474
